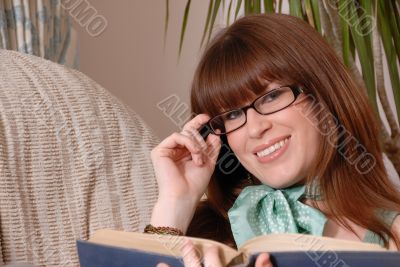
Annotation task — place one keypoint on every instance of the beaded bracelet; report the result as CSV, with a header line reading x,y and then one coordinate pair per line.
x,y
162,230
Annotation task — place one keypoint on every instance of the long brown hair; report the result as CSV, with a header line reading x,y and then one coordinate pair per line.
x,y
349,165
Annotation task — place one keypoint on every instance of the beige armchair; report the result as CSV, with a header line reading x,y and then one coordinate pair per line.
x,y
73,159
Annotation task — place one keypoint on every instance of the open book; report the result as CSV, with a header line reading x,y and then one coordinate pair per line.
x,y
109,248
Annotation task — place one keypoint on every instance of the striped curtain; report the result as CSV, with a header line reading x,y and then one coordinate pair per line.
x,y
39,27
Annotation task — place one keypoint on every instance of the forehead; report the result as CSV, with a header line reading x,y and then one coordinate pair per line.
x,y
233,74
265,87
244,96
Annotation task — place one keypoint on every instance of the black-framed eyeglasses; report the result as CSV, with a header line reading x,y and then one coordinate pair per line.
x,y
273,101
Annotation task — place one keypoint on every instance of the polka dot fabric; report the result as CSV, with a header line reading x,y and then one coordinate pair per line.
x,y
261,210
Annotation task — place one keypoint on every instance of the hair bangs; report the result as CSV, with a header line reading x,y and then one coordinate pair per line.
x,y
234,71
231,75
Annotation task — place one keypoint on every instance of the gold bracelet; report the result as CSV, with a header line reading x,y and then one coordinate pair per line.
x,y
162,230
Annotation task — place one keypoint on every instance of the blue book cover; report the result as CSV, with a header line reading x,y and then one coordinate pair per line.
x,y
122,249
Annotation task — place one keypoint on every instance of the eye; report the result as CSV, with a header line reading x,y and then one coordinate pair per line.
x,y
232,115
271,96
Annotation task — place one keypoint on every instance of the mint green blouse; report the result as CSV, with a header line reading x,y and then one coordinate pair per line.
x,y
388,217
260,209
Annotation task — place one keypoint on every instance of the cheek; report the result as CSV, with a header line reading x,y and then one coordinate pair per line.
x,y
236,142
233,141
312,139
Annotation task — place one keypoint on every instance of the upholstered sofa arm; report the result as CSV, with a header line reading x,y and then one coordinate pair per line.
x,y
73,159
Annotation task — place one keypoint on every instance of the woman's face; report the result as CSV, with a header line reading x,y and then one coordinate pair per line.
x,y
294,136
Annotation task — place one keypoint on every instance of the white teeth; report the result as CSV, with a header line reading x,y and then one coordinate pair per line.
x,y
272,148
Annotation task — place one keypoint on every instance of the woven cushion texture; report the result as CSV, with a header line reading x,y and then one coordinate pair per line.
x,y
73,159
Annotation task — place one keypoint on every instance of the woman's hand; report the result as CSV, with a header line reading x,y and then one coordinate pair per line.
x,y
183,164
212,258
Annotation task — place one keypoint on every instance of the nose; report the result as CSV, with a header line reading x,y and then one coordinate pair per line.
x,y
257,124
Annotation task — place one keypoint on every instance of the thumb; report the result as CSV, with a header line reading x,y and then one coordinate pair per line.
x,y
214,146
263,260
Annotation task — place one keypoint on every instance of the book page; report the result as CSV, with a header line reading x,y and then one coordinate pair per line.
x,y
162,244
303,242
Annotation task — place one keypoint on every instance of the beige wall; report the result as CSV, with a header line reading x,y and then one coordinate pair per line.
x,y
129,59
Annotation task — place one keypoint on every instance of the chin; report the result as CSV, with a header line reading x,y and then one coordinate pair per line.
x,y
281,183
280,186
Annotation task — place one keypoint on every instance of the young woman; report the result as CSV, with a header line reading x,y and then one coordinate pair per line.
x,y
305,139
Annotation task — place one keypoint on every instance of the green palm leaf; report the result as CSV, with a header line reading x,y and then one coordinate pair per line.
x,y
280,6
228,17
316,15
238,6
210,8
217,3
346,38
248,7
184,24
166,20
364,54
269,6
295,8
394,24
257,6
391,56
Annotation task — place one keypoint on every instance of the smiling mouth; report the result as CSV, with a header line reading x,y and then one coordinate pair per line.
x,y
271,149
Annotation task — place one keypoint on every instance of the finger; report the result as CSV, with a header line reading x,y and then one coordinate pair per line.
x,y
214,146
263,260
177,140
212,257
162,264
190,255
196,122
195,135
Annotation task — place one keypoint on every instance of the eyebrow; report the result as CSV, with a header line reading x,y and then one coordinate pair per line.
x,y
270,88
267,85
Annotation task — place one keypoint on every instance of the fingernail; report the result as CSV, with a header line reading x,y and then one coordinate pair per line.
x,y
267,261
186,247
